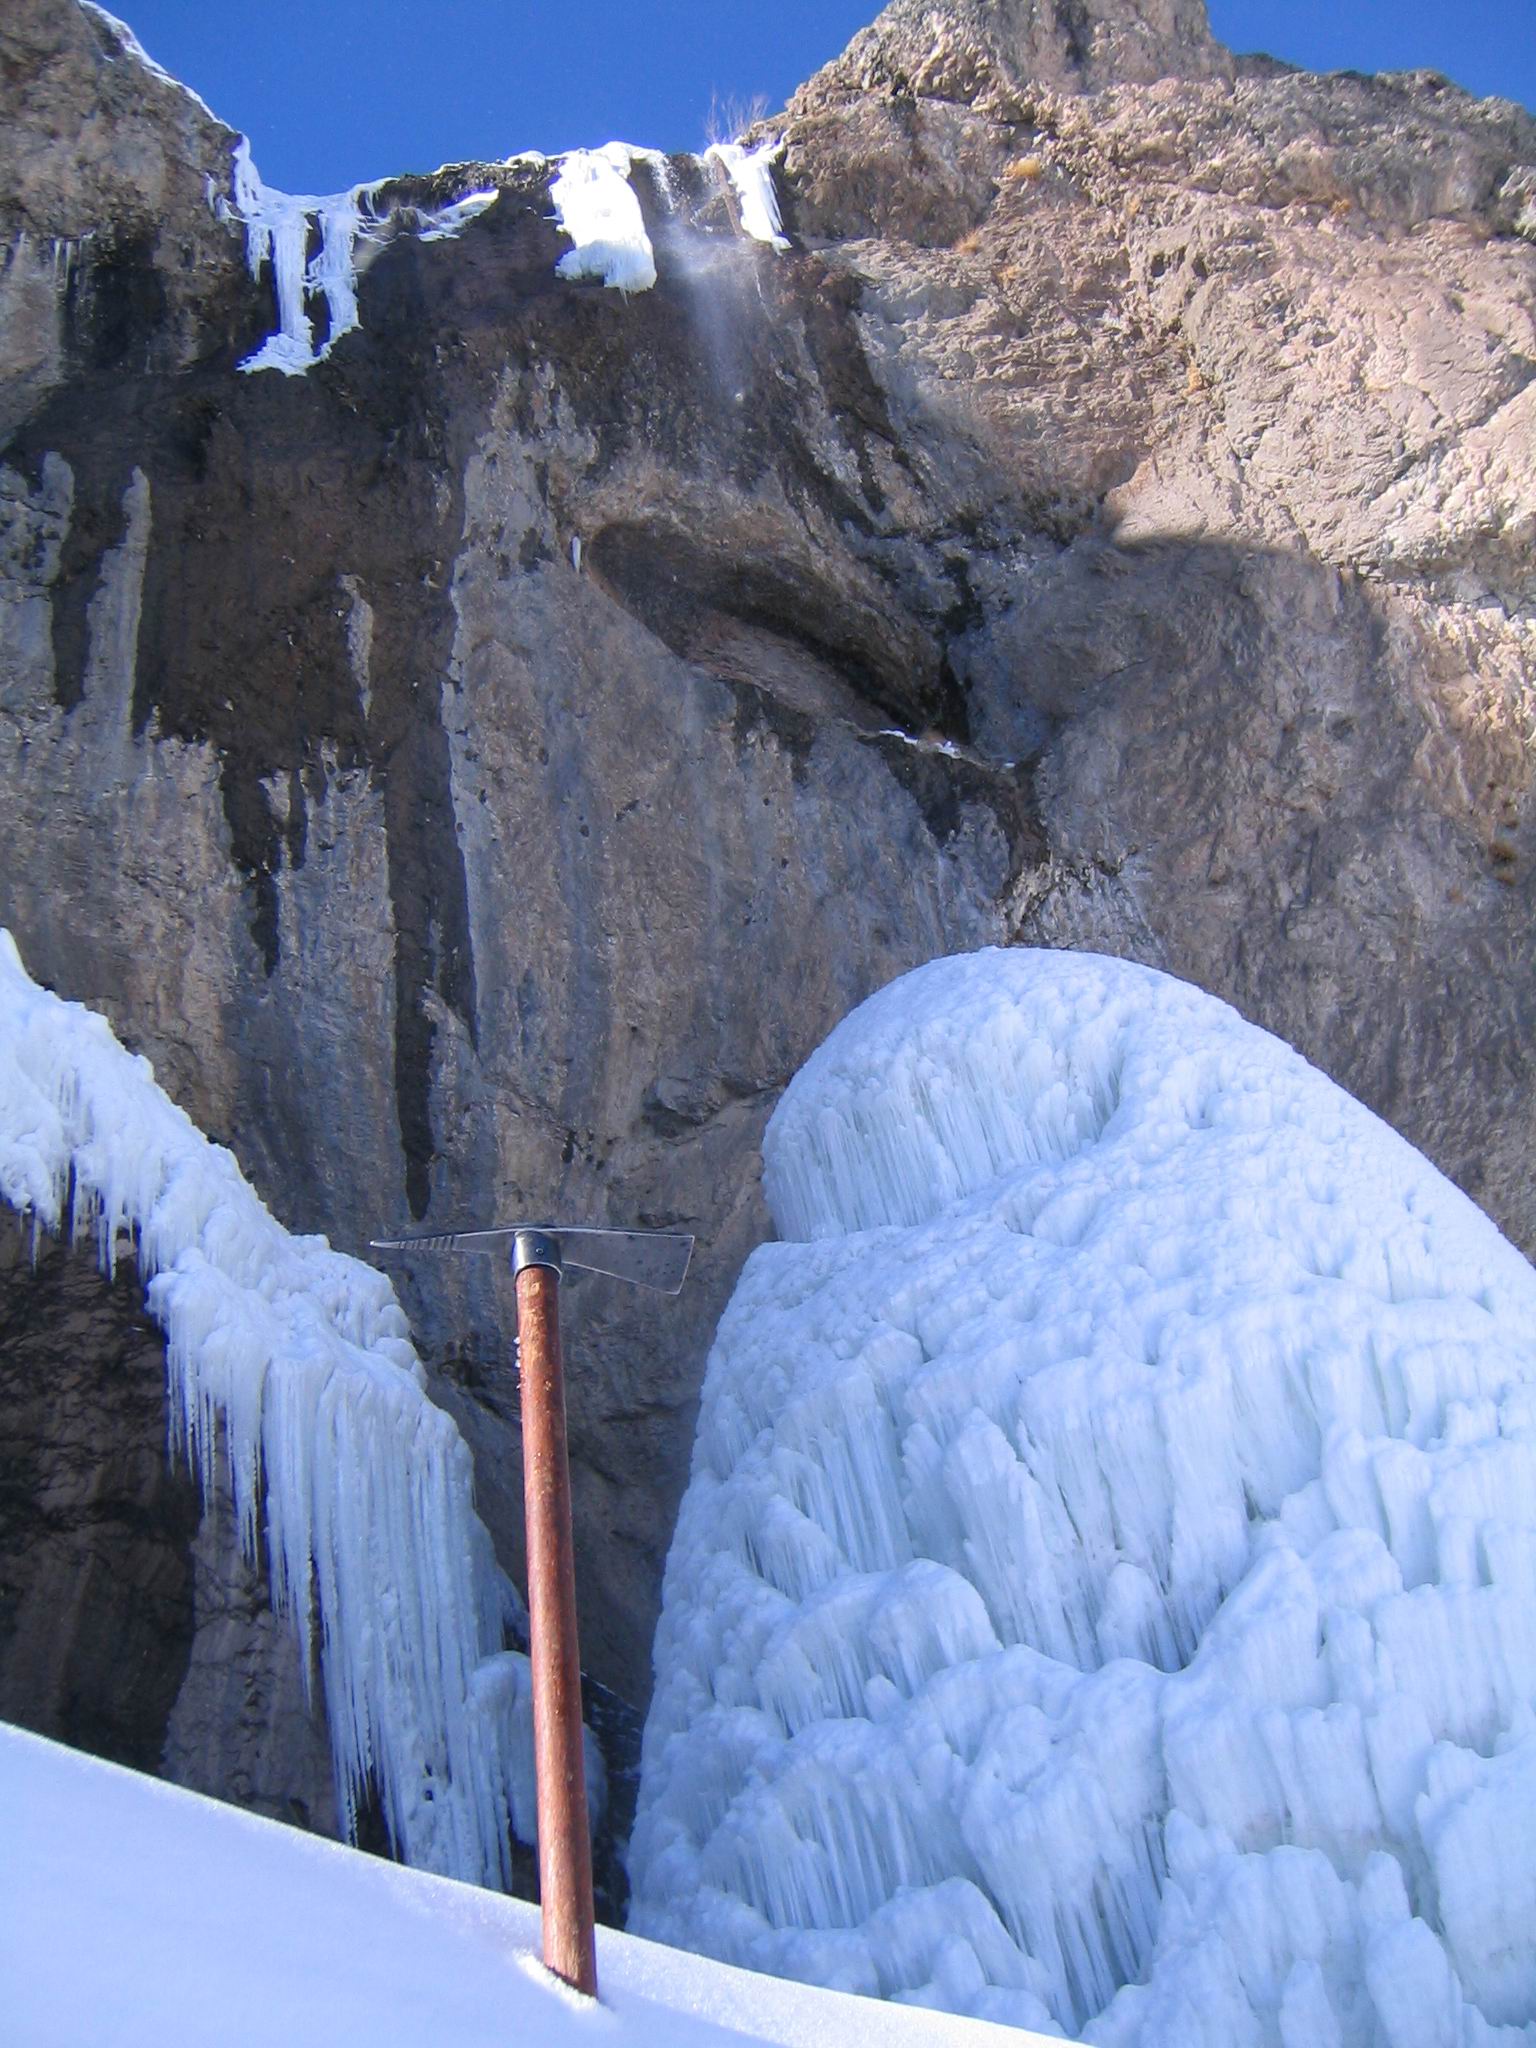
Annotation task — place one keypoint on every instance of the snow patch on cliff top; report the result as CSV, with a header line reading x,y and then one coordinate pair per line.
x,y
293,1366
1106,1590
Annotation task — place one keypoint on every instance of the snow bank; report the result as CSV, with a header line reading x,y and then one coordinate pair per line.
x,y
294,1364
1106,1590
140,1915
595,205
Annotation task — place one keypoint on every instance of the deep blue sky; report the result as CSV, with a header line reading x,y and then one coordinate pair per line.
x,y
334,91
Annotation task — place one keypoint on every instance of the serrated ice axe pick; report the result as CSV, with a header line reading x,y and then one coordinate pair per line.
x,y
645,1258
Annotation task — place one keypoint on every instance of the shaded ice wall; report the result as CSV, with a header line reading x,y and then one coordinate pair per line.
x,y
1105,1588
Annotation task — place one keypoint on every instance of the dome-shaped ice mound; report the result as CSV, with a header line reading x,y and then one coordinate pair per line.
x,y
1106,1591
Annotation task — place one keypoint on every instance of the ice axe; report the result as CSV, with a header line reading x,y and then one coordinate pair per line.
x,y
645,1258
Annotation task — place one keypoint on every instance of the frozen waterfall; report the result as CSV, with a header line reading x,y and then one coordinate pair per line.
x,y
1106,1591
312,245
279,230
751,174
292,1366
596,207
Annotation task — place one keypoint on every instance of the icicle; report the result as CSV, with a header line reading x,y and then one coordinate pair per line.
x,y
297,1360
751,174
279,227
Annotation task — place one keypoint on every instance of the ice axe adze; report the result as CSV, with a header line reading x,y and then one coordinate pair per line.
x,y
646,1258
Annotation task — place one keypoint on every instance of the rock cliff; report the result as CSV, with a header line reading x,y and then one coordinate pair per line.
x,y
477,771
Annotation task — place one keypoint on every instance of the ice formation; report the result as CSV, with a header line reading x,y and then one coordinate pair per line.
x,y
596,206
293,1365
279,227
1106,1590
277,232
449,221
751,174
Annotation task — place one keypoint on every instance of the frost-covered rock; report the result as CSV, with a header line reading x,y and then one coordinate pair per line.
x,y
1105,1588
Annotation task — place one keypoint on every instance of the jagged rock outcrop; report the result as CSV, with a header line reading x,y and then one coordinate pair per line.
x,y
990,53
130,1623
478,771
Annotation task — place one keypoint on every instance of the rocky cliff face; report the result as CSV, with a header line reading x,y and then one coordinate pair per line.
x,y
96,1594
478,771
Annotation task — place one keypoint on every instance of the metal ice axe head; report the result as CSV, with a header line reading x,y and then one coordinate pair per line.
x,y
645,1258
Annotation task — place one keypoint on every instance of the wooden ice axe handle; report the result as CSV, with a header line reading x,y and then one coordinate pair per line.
x,y
565,1841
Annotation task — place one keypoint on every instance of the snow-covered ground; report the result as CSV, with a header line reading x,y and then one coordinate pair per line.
x,y
135,1915
1106,1590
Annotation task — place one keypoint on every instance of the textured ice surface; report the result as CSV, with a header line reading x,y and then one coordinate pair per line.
x,y
1106,1589
294,1365
751,174
596,206
278,230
